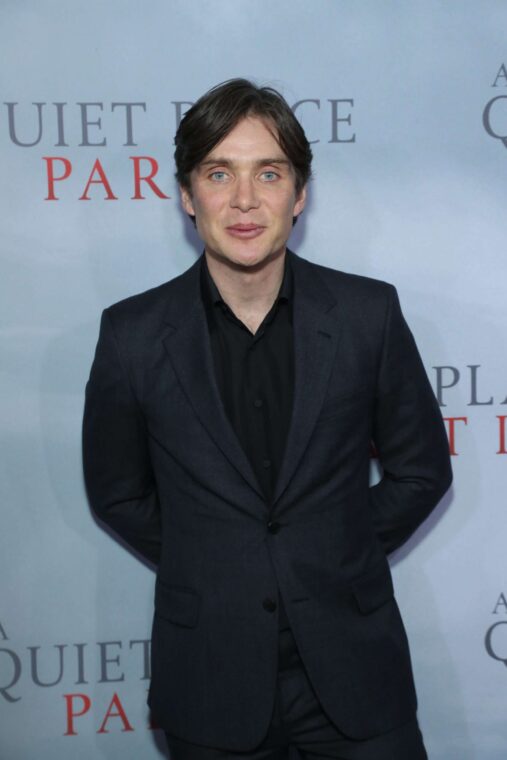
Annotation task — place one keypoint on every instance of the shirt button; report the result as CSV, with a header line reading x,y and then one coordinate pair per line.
x,y
266,462
273,527
258,402
269,605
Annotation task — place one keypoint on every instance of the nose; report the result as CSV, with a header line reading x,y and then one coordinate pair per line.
x,y
244,195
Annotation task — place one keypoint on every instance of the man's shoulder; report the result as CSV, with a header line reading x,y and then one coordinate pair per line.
x,y
138,303
150,304
347,284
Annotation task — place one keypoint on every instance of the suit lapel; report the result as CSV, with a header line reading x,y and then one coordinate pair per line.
x,y
189,350
315,341
316,335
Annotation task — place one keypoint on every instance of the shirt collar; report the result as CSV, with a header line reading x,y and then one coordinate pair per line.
x,y
211,295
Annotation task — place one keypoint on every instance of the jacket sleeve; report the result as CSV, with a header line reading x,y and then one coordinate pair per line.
x,y
117,469
409,436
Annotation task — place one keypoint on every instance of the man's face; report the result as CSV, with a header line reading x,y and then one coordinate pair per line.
x,y
243,196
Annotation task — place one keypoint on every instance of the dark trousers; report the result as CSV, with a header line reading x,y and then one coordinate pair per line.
x,y
298,723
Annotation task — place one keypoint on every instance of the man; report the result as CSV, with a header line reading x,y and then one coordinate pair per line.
x,y
228,426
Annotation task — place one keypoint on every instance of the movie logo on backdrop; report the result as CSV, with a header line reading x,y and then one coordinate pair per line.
x,y
495,640
494,116
84,665
81,125
467,379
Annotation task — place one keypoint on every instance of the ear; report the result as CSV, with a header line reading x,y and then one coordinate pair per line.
x,y
300,202
186,200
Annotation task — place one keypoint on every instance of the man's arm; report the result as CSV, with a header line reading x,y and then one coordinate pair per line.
x,y
409,436
118,474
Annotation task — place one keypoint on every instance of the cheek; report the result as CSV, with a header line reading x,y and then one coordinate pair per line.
x,y
208,209
286,208
285,215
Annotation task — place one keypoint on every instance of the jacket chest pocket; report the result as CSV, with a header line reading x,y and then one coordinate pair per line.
x,y
343,402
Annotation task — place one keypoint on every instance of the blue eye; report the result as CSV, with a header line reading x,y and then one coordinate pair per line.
x,y
270,176
218,176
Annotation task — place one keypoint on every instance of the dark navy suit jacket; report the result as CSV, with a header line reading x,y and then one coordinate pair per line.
x,y
165,470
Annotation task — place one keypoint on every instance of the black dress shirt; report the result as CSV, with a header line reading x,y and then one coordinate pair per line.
x,y
255,377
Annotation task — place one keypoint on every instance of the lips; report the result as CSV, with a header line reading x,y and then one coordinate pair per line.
x,y
245,230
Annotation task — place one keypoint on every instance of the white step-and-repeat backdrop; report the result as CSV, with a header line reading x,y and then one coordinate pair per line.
x,y
406,106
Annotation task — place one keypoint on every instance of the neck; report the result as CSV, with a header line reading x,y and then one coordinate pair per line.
x,y
247,286
250,291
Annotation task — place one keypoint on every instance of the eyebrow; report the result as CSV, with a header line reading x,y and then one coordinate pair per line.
x,y
259,162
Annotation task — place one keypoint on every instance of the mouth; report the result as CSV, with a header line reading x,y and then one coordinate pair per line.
x,y
245,231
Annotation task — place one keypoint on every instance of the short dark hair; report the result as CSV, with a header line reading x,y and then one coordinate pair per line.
x,y
218,111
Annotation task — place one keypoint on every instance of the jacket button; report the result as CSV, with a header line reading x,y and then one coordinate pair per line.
x,y
273,527
269,605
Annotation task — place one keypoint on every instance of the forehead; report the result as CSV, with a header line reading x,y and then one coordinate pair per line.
x,y
252,138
